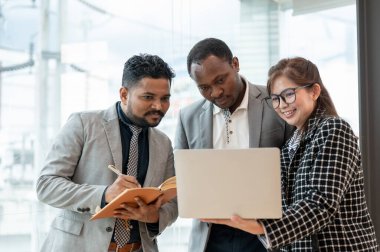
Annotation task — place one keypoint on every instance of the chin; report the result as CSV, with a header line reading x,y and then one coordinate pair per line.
x,y
223,106
288,121
154,124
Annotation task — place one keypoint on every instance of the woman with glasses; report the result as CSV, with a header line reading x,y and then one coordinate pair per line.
x,y
324,207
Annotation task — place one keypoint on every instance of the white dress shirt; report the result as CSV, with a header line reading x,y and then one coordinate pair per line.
x,y
238,129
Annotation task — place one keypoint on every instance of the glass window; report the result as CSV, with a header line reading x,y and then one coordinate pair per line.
x,y
52,65
327,38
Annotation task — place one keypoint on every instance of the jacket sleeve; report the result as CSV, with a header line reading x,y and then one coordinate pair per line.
x,y
181,141
333,167
168,212
54,185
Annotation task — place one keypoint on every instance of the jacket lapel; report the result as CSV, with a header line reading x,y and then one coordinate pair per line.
x,y
153,157
206,125
112,130
255,110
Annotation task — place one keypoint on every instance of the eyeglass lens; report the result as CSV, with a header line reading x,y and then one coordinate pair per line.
x,y
288,96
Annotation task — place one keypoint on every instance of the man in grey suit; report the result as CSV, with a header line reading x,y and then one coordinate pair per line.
x,y
233,115
75,177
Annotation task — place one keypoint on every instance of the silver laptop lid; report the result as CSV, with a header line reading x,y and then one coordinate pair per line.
x,y
217,183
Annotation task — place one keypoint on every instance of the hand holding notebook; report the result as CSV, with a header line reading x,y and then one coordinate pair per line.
x,y
148,194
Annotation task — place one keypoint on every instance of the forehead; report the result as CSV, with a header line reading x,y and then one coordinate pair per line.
x,y
282,82
159,86
209,68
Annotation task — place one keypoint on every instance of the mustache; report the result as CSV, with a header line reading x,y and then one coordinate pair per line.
x,y
155,112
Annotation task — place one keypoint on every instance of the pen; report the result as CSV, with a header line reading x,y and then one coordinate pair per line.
x,y
113,168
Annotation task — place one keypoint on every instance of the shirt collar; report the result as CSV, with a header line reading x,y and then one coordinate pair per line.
x,y
243,105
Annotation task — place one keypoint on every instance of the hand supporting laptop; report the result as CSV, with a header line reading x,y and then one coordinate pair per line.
x,y
249,225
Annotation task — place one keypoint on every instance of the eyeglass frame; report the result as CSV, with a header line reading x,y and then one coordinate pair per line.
x,y
283,98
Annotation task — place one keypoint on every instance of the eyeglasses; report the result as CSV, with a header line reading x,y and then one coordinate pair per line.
x,y
287,95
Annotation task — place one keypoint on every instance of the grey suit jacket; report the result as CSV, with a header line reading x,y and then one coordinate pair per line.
x,y
195,131
75,176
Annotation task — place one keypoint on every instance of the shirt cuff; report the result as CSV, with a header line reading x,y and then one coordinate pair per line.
x,y
103,203
264,239
153,228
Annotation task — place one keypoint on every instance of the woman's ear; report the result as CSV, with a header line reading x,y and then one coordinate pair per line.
x,y
316,89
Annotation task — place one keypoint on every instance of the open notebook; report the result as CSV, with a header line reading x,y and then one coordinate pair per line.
x,y
218,183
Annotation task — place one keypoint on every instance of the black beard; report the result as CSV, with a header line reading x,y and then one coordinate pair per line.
x,y
142,122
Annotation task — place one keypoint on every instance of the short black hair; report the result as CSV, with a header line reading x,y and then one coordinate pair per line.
x,y
207,47
145,65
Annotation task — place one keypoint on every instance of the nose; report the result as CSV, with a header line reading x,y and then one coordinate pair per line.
x,y
216,92
156,104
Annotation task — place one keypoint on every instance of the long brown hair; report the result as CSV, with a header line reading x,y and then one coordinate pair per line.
x,y
302,71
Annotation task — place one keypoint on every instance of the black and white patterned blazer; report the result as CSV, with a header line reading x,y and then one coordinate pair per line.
x,y
323,193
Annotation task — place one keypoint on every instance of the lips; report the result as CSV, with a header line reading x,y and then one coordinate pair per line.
x,y
155,117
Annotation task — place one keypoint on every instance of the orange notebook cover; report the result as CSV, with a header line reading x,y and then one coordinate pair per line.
x,y
148,194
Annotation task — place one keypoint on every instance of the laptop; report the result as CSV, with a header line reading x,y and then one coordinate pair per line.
x,y
217,183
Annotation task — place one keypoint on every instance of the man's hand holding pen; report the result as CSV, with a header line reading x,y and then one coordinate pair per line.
x,y
121,183
143,212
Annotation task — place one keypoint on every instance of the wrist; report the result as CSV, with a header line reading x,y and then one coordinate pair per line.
x,y
260,228
153,218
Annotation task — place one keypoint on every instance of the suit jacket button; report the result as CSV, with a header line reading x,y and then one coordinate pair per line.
x,y
109,229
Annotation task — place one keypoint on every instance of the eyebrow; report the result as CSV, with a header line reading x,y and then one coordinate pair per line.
x,y
149,93
220,75
283,91
213,80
